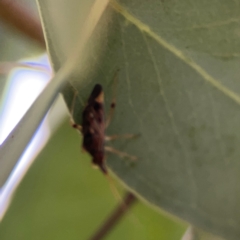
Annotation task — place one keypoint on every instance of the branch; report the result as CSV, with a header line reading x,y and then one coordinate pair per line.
x,y
115,216
22,19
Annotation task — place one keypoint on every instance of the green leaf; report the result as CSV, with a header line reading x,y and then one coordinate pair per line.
x,y
193,233
178,87
21,135
63,197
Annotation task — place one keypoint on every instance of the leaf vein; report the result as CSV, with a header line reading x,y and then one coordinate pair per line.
x,y
217,133
211,25
174,126
145,28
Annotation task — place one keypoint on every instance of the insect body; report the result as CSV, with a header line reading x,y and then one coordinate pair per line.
x,y
93,129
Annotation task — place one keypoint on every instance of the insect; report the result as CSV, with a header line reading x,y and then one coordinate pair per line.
x,y
93,129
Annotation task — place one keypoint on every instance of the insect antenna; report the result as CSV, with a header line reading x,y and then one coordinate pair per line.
x,y
72,122
113,102
114,190
125,204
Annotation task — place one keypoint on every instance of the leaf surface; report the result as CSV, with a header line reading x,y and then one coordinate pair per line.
x,y
179,88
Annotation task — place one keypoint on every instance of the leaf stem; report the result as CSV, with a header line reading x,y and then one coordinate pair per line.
x,y
115,216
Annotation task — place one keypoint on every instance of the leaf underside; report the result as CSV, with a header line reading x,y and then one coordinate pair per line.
x,y
178,87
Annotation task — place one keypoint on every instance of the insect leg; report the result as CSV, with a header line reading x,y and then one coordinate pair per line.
x,y
113,103
125,136
72,122
119,153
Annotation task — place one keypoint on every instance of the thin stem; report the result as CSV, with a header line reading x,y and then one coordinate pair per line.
x,y
114,217
22,19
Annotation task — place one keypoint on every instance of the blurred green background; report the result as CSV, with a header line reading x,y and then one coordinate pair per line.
x,y
62,197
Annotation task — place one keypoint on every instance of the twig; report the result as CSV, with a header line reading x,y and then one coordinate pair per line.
x,y
115,217
22,19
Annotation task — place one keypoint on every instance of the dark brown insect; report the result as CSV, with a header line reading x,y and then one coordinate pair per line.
x,y
93,129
